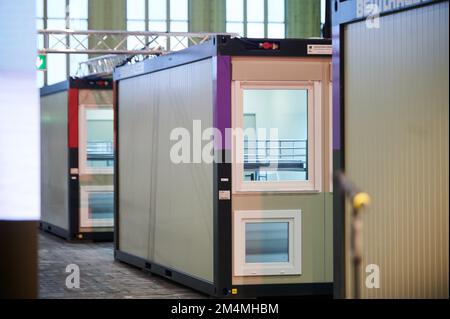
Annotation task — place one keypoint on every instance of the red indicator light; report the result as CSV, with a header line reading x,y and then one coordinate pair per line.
x,y
268,46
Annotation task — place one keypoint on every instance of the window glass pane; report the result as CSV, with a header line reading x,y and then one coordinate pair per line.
x,y
136,25
56,68
235,10
78,9
136,43
75,59
275,30
275,148
179,10
235,27
136,9
56,24
53,40
275,11
100,137
77,24
255,10
160,26
178,26
255,30
40,37
56,8
101,205
78,41
178,43
322,11
39,23
267,242
40,79
157,10
39,8
139,41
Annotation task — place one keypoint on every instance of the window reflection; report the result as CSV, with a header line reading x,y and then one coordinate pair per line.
x,y
266,242
283,157
101,205
100,138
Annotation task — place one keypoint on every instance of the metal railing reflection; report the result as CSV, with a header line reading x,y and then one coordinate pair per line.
x,y
289,155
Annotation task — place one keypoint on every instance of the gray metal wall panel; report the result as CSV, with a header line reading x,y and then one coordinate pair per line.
x,y
54,160
165,209
183,192
396,122
135,115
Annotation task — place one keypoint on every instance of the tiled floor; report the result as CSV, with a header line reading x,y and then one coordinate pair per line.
x,y
100,275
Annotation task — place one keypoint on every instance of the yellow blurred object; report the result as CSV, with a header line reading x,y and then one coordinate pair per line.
x,y
361,199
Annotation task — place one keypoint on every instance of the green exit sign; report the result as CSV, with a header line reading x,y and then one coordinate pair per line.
x,y
41,62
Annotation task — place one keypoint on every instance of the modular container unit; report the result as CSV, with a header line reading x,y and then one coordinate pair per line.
x,y
257,226
77,159
391,129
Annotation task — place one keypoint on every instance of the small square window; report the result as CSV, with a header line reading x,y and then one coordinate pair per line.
x,y
267,243
96,206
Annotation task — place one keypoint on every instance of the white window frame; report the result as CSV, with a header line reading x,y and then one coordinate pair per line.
x,y
82,140
314,164
292,267
85,221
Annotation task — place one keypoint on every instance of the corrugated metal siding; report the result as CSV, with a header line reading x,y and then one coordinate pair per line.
x,y
54,160
166,209
396,127
136,121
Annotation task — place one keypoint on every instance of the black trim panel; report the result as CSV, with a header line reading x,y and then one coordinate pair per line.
x,y
65,234
74,194
338,230
91,84
167,272
77,83
53,229
250,47
96,236
278,290
222,229
116,165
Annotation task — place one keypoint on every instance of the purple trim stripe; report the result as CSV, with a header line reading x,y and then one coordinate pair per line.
x,y
222,114
336,90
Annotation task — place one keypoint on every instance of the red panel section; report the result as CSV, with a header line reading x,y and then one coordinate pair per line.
x,y
73,118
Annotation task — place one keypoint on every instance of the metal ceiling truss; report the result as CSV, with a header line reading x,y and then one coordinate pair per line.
x,y
118,42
